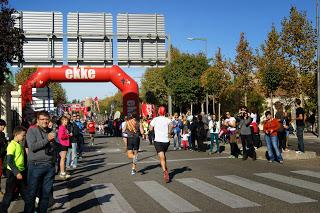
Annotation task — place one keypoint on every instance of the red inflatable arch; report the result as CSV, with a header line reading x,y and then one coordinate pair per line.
x,y
44,75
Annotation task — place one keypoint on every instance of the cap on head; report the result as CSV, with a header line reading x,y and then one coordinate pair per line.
x,y
162,111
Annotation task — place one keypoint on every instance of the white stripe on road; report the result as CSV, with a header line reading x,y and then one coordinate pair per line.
x,y
110,199
167,199
308,173
220,195
61,198
266,190
174,160
291,181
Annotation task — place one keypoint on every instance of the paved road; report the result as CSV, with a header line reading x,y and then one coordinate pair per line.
x,y
201,183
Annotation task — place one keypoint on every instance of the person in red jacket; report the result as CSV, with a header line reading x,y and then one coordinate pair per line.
x,y
91,126
270,128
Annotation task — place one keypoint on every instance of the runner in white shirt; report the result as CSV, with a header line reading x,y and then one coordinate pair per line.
x,y
162,127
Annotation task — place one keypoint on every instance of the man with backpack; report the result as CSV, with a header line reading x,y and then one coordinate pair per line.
x,y
300,118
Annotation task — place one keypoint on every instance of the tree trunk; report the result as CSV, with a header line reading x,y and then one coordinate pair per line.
x,y
191,109
219,112
271,96
207,103
202,107
245,99
213,107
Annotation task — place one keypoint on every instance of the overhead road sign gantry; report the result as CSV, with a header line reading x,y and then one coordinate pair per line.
x,y
90,39
43,33
141,40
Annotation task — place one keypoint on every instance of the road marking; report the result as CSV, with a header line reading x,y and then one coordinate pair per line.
x,y
61,199
89,165
110,199
266,190
291,181
308,173
220,195
167,199
156,160
174,160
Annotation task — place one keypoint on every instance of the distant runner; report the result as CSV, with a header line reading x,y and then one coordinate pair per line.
x,y
92,130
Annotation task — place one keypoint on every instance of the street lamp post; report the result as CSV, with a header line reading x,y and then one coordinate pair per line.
x,y
205,40
318,68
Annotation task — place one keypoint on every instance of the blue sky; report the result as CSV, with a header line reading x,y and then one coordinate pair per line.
x,y
219,21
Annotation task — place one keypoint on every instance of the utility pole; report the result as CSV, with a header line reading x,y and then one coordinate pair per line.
x,y
205,40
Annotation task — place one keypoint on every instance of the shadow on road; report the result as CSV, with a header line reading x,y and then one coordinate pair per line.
x,y
174,172
150,167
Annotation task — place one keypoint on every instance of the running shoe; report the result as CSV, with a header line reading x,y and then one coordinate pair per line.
x,y
64,175
133,172
166,177
299,152
281,161
231,156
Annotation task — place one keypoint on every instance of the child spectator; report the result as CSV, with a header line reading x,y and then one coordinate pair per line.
x,y
16,177
185,136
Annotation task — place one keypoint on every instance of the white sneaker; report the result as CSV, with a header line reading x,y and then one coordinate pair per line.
x,y
299,152
64,175
133,172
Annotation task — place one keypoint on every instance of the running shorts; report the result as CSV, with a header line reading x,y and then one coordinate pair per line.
x,y
92,133
133,143
161,147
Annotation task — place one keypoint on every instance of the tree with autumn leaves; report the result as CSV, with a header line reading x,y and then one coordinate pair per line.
x,y
282,66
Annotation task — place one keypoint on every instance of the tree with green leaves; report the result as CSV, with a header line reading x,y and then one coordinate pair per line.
x,y
271,79
11,39
242,67
59,94
182,77
216,78
153,81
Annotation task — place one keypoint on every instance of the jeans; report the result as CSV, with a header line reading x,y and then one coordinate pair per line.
x,y
214,138
39,173
300,130
175,138
272,142
72,158
12,184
